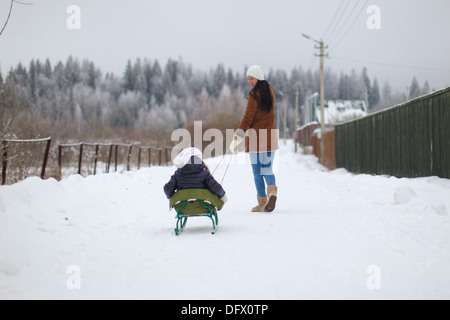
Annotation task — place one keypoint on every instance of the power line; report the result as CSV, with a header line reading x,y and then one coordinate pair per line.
x,y
353,23
9,16
334,17
25,3
391,64
10,10
339,20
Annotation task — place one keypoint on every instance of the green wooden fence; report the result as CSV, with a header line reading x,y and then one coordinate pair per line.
x,y
409,140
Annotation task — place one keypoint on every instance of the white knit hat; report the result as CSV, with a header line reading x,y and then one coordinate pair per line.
x,y
185,155
257,72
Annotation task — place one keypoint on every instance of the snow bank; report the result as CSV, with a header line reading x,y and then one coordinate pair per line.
x,y
333,235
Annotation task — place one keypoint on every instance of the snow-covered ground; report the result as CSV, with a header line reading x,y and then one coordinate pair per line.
x,y
333,235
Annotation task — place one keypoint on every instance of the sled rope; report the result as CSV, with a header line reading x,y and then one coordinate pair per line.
x,y
226,170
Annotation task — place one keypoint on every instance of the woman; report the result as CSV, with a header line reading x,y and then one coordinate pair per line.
x,y
258,127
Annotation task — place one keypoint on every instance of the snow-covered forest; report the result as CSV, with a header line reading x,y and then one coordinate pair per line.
x,y
76,100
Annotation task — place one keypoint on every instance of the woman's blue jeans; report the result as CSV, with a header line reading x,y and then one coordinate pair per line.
x,y
262,163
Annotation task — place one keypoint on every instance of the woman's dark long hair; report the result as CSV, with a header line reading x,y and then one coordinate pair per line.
x,y
262,93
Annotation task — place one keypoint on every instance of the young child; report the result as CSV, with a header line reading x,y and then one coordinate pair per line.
x,y
192,173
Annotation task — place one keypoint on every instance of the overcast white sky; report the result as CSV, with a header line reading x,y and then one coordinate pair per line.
x,y
414,39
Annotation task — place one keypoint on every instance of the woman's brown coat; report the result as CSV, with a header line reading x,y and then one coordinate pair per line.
x,y
259,126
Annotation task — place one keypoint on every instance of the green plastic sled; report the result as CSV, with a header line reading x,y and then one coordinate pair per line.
x,y
195,203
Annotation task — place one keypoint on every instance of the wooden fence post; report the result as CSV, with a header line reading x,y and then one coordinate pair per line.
x,y
109,158
44,164
139,158
129,157
60,159
115,159
167,156
95,159
4,161
149,157
80,158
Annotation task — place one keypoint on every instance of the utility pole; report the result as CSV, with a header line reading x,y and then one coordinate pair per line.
x,y
322,102
296,119
285,120
366,98
322,56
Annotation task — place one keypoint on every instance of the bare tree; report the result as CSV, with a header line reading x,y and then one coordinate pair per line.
x,y
8,110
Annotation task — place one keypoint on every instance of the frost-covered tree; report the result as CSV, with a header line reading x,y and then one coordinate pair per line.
x,y
414,89
426,88
374,96
147,96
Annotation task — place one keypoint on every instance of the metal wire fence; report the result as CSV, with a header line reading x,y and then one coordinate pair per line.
x,y
35,157
24,158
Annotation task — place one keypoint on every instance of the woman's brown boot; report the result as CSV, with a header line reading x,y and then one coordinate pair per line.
x,y
261,204
272,198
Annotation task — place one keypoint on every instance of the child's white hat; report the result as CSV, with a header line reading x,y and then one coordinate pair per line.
x,y
185,155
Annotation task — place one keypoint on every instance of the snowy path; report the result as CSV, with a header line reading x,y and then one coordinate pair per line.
x,y
333,235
